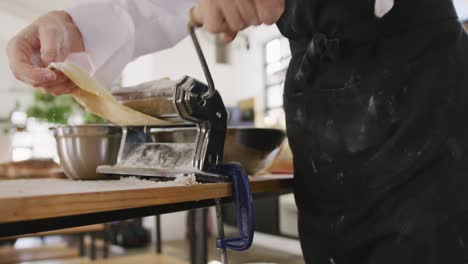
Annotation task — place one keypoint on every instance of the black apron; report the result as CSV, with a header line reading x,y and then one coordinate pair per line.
x,y
376,121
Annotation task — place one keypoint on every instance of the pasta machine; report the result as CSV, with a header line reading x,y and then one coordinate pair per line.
x,y
187,103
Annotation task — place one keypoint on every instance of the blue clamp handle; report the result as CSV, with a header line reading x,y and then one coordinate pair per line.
x,y
244,206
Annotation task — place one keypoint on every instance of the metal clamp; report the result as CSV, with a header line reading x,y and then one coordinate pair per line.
x,y
244,207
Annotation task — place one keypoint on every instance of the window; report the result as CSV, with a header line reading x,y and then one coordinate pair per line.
x,y
276,62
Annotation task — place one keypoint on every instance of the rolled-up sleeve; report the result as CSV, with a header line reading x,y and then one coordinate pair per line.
x,y
115,32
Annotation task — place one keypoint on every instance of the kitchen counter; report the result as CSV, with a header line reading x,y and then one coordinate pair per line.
x,y
29,206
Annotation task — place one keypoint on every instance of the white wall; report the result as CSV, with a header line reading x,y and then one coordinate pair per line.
x,y
173,226
462,8
10,89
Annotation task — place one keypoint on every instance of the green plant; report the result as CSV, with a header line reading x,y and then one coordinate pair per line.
x,y
58,109
6,130
52,109
90,118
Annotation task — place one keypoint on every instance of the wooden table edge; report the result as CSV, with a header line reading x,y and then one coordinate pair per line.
x,y
52,206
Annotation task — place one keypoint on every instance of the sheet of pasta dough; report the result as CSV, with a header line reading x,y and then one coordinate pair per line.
x,y
97,100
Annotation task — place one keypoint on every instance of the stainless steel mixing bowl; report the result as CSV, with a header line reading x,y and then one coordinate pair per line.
x,y
82,149
254,148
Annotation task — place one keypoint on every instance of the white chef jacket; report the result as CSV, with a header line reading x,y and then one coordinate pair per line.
x,y
115,32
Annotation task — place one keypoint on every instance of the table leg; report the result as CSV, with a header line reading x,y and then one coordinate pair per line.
x,y
158,234
203,236
220,224
192,236
198,236
106,237
81,245
93,246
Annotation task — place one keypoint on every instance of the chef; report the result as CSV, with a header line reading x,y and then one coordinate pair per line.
x,y
375,98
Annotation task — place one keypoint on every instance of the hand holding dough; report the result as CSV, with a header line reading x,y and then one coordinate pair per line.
x,y
97,100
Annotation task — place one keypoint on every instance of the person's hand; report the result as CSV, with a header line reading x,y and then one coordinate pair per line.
x,y
228,17
51,38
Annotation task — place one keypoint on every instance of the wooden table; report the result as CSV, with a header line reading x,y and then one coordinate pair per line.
x,y
30,206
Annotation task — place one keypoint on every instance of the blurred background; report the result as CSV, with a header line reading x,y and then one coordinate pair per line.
x,y
249,73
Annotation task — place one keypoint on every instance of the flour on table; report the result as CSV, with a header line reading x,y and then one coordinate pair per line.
x,y
179,181
20,188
